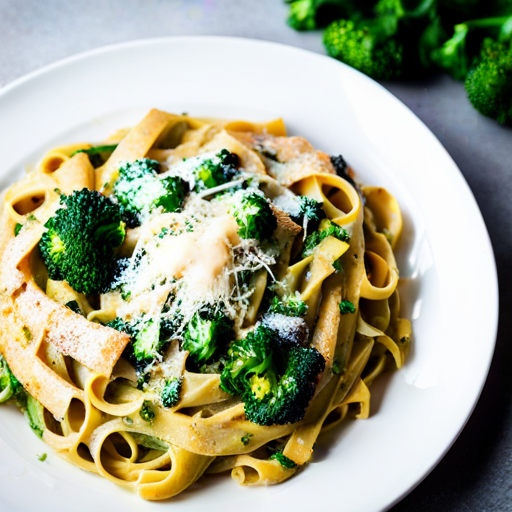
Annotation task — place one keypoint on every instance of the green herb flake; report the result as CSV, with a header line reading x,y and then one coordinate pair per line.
x,y
27,333
42,457
346,307
335,369
246,439
17,229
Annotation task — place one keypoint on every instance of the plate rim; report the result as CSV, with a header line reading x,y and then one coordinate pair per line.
x,y
494,286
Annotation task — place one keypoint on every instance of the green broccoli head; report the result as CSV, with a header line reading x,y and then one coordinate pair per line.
x,y
253,214
489,84
367,46
276,381
310,214
327,228
290,305
205,337
80,241
146,342
171,392
313,14
10,386
139,188
220,169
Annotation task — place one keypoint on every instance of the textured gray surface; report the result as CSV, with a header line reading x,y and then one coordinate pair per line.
x,y
476,474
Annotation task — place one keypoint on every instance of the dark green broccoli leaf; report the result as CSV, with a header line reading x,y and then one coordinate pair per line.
x,y
74,306
139,188
171,392
98,155
206,336
328,229
489,84
253,214
457,54
276,381
80,241
216,171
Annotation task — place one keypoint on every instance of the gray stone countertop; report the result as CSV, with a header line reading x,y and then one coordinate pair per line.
x,y
476,474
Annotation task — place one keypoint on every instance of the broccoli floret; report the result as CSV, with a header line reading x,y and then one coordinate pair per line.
x,y
290,305
139,187
309,213
10,386
80,241
171,392
146,412
205,337
283,460
327,228
276,381
98,155
346,307
489,84
457,54
253,214
216,171
383,45
367,45
146,342
312,14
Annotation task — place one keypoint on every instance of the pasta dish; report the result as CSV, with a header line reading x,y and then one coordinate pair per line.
x,y
195,296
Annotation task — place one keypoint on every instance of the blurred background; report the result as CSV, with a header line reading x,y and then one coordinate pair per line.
x,y
476,474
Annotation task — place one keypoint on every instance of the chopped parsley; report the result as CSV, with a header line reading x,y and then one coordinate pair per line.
x,y
346,307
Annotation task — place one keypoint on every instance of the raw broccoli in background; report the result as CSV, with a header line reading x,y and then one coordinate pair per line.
x,y
139,188
458,53
398,39
276,381
379,44
489,84
80,241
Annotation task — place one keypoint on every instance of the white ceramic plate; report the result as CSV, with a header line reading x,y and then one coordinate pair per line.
x,y
445,257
